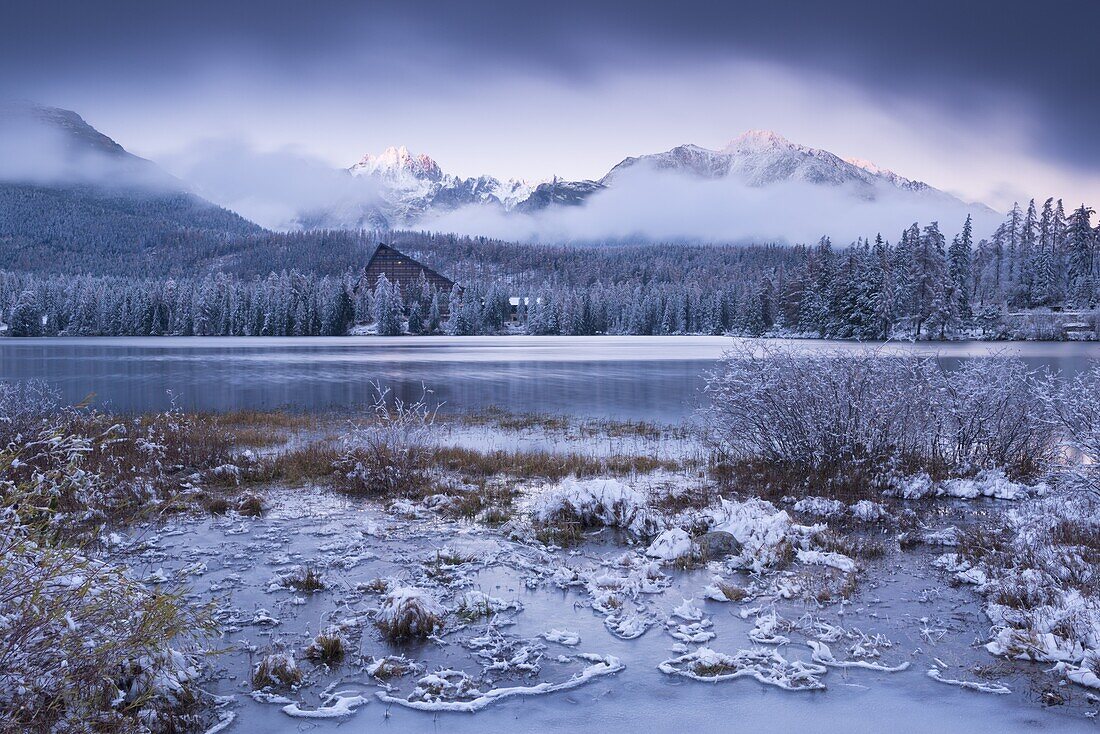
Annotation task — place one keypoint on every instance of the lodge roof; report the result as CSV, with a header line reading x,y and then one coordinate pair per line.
x,y
383,252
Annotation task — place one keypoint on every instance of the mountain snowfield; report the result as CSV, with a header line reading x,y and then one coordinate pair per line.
x,y
759,170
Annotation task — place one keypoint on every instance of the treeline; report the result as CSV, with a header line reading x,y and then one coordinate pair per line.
x,y
920,286
284,304
923,286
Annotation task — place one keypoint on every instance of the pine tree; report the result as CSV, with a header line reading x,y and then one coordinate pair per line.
x,y
929,264
1081,243
386,306
882,290
435,319
416,319
26,316
959,268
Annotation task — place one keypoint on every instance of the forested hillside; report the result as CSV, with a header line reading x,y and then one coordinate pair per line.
x,y
92,229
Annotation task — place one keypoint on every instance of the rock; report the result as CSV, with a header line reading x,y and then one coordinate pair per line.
x,y
718,544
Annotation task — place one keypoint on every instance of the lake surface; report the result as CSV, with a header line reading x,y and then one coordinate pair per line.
x,y
652,378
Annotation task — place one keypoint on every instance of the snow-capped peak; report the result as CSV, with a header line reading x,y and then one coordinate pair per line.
x,y
398,162
868,166
758,140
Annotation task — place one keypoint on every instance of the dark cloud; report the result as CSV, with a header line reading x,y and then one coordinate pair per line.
x,y
1036,61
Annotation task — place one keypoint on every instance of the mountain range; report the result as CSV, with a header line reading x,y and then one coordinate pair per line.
x,y
68,189
414,187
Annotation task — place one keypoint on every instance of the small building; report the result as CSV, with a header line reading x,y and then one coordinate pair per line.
x,y
403,270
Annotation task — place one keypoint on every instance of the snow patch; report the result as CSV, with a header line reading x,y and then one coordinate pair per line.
x,y
452,690
671,545
765,666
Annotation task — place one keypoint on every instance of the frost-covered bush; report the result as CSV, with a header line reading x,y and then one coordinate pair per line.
x,y
409,613
587,503
673,544
389,454
1074,405
82,644
1038,572
855,420
989,413
75,468
24,408
775,404
767,536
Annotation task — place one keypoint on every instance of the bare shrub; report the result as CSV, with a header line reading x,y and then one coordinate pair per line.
x,y
989,413
24,408
81,643
390,454
778,405
842,424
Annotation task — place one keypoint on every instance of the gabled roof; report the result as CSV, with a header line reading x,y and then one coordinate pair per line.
x,y
383,248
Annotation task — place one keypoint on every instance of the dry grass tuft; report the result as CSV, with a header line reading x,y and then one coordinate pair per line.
x,y
490,503
215,505
375,586
732,592
390,667
711,670
278,670
828,585
849,545
307,581
409,614
548,465
327,648
251,506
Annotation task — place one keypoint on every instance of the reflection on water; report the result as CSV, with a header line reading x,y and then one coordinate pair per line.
x,y
654,378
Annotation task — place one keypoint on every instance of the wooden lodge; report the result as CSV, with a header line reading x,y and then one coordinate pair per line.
x,y
403,270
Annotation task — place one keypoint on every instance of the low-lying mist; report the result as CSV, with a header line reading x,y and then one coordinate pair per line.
x,y
281,189
645,205
46,147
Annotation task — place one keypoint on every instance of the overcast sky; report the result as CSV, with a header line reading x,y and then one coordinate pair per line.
x,y
990,100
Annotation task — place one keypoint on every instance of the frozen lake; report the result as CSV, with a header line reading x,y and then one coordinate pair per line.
x,y
904,595
651,378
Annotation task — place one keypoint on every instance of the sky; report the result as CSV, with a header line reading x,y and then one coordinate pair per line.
x,y
992,101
